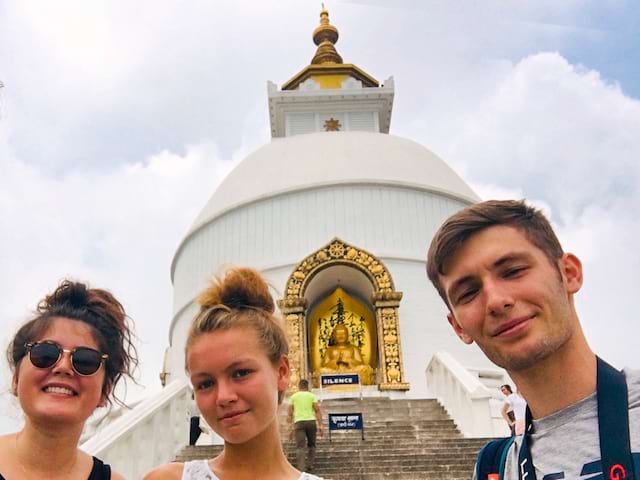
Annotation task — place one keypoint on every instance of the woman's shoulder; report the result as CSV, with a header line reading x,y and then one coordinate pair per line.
x,y
7,458
169,471
308,476
6,441
116,476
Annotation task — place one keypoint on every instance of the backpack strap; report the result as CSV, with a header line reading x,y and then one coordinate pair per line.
x,y
492,458
613,423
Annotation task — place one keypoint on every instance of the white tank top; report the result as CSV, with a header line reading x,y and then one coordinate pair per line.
x,y
199,470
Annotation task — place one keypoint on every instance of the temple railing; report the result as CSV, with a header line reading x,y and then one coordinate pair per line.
x,y
148,435
467,400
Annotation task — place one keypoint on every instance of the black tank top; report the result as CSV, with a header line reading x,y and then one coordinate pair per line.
x,y
100,471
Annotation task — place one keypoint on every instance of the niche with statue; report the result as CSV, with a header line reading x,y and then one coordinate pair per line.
x,y
342,337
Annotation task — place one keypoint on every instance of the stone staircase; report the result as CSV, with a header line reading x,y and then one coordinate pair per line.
x,y
404,439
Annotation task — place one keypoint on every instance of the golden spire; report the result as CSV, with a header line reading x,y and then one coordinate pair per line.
x,y
325,36
326,68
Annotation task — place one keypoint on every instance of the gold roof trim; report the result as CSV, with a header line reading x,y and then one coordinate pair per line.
x,y
330,69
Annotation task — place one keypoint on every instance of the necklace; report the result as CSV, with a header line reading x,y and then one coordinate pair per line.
x,y
24,469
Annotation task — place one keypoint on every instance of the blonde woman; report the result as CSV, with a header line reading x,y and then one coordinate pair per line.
x,y
236,357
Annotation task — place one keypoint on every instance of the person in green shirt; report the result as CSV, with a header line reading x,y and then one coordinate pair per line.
x,y
304,413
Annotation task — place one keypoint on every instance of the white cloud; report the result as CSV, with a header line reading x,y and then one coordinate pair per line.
x,y
117,231
605,237
560,135
548,128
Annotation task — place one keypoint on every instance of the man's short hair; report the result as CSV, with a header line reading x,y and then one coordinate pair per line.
x,y
507,387
458,228
303,384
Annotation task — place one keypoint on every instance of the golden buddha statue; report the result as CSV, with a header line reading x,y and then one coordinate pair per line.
x,y
344,357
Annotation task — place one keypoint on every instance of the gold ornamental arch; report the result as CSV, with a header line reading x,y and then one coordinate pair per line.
x,y
385,299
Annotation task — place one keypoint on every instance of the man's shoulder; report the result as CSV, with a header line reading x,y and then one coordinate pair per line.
x,y
633,378
302,394
294,397
633,386
311,396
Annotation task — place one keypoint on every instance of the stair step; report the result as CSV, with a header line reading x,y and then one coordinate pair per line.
x,y
404,439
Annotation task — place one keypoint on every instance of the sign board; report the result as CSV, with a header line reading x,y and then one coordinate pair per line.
x,y
346,421
334,379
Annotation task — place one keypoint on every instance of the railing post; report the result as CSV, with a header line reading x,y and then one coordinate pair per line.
x,y
146,436
464,397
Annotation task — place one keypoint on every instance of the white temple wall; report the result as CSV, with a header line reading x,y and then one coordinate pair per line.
x,y
177,339
388,221
394,223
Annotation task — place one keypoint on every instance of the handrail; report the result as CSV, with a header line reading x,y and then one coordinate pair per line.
x,y
462,394
148,435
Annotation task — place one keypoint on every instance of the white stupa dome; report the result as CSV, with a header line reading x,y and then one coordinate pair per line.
x,y
382,193
332,158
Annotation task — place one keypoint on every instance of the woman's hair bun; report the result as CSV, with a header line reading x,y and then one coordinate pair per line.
x,y
72,294
239,288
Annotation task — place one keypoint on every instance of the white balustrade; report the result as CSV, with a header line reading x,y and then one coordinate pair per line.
x,y
148,435
463,395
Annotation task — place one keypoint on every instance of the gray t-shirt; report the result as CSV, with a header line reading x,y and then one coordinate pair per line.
x,y
566,444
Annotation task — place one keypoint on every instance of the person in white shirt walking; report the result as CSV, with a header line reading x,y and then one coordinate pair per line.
x,y
517,406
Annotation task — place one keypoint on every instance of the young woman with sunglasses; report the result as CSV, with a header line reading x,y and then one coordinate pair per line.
x,y
236,356
66,362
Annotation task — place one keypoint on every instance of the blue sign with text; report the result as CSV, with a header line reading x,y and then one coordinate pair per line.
x,y
339,379
345,421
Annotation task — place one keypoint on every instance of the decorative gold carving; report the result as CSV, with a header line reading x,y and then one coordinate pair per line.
x,y
295,334
385,299
292,304
332,125
341,252
330,351
390,345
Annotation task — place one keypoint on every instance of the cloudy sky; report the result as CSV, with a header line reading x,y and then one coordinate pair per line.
x,y
118,119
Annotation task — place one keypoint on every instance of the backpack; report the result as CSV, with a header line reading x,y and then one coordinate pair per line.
x,y
492,458
613,425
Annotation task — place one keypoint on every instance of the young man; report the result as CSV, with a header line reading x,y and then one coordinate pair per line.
x,y
509,287
304,412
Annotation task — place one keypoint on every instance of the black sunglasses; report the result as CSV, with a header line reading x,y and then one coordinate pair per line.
x,y
84,360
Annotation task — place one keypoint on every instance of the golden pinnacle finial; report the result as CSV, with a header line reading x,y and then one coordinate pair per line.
x,y
324,16
325,36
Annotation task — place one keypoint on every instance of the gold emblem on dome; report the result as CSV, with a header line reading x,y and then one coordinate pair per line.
x,y
332,125
336,249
